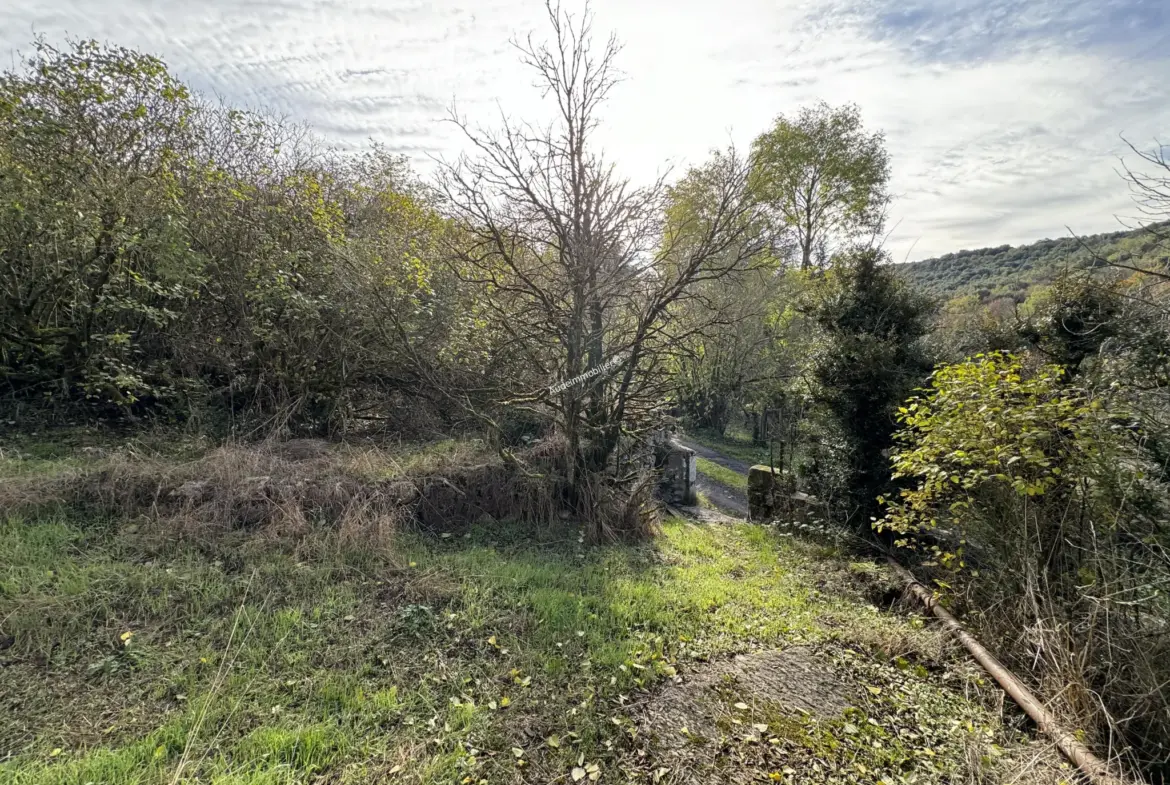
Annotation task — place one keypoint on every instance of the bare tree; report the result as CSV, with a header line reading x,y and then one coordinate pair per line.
x,y
577,266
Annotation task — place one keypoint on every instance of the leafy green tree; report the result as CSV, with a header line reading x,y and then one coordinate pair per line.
x,y
822,177
96,264
869,360
726,337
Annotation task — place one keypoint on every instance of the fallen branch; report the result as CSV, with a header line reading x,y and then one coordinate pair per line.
x,y
1093,767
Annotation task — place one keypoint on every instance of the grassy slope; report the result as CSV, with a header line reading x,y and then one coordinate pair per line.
x,y
505,656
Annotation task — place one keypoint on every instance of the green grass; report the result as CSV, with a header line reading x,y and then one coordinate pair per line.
x,y
721,474
512,655
734,443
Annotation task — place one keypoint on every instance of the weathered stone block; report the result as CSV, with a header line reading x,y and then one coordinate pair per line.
x,y
677,485
771,493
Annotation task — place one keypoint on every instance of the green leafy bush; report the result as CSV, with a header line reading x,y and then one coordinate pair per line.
x,y
1039,501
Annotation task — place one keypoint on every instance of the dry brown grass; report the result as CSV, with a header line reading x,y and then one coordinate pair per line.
x,y
621,512
283,490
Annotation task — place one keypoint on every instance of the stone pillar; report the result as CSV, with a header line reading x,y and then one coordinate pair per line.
x,y
770,493
678,474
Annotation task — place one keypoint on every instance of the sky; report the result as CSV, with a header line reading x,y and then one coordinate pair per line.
x,y
1004,119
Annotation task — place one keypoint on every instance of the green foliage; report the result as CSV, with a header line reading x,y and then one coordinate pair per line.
x,y
91,147
868,362
985,422
1013,272
1040,500
728,348
965,325
163,254
822,178
1074,318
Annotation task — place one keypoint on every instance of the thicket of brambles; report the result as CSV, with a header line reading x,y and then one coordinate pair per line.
x,y
164,258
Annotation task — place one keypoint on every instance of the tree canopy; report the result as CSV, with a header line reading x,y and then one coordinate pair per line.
x,y
823,178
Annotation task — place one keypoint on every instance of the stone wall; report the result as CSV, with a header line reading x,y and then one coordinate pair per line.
x,y
772,495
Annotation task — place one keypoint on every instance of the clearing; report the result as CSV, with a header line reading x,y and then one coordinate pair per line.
x,y
141,648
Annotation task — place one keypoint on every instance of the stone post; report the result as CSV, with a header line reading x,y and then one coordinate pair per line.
x,y
678,474
770,493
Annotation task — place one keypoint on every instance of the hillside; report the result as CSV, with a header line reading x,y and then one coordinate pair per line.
x,y
1014,270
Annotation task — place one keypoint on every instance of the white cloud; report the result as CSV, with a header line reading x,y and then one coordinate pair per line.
x,y
1002,116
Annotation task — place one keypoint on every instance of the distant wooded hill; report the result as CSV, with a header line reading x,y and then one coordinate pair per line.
x,y
1007,271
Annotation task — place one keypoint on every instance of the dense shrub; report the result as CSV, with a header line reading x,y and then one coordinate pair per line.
x,y
869,360
162,254
1056,524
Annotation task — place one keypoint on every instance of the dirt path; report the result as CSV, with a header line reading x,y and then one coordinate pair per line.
x,y
715,457
731,501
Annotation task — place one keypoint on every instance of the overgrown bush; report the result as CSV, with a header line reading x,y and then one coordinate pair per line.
x,y
869,359
163,255
1055,521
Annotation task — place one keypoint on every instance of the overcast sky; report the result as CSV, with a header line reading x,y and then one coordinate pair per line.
x,y
1003,117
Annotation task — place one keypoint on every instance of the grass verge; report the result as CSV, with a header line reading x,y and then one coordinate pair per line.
x,y
721,474
734,444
